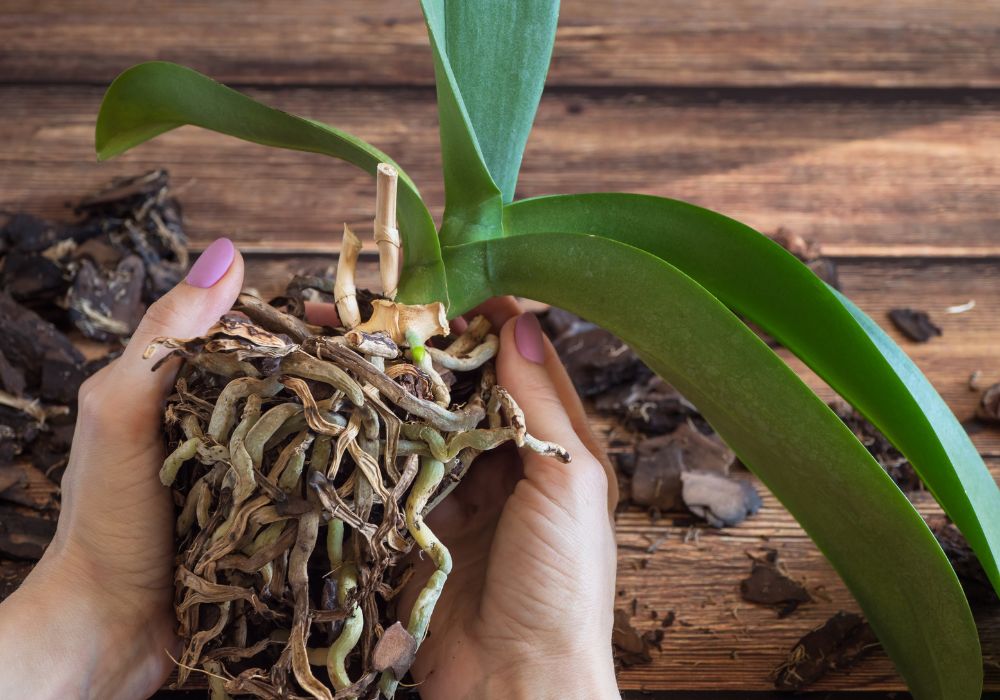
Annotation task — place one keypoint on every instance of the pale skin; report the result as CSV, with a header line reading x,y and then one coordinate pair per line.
x,y
527,611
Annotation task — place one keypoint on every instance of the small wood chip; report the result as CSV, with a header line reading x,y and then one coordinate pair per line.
x,y
914,324
769,584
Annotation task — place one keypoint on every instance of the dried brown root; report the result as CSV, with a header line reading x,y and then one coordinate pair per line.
x,y
336,429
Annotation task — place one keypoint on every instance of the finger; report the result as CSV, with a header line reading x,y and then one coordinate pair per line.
x,y
581,424
321,313
497,310
186,311
527,366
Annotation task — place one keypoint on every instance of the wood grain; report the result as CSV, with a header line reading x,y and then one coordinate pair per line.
x,y
876,175
628,42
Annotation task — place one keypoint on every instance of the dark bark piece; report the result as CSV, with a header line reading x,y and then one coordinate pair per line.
x,y
651,406
632,647
891,459
30,487
12,573
839,643
595,359
660,461
24,536
769,584
106,304
17,431
396,649
914,324
989,405
970,572
11,377
30,341
61,379
11,475
32,278
721,501
29,234
656,480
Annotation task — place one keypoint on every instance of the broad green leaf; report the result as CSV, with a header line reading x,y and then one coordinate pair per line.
x,y
152,98
499,52
798,447
473,204
757,278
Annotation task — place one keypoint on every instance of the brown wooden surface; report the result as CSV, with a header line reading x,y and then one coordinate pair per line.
x,y
893,164
868,174
630,42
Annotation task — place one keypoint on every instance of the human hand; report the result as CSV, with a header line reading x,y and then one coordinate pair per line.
x,y
95,617
527,610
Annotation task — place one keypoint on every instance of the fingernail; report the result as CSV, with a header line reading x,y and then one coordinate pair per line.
x,y
528,338
212,264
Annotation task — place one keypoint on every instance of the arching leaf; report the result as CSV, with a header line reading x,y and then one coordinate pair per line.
x,y
757,278
152,98
809,459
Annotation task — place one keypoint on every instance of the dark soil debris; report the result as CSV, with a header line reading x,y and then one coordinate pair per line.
x,y
891,459
92,277
595,359
632,647
841,642
770,584
915,325
970,572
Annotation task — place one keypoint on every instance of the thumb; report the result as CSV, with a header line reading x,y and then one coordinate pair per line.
x,y
186,311
529,368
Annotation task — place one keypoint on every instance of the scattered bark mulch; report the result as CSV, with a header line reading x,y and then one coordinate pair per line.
x,y
64,286
770,584
841,642
914,324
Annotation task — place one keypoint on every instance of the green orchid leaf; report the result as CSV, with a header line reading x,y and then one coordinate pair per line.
x,y
152,98
757,278
473,203
798,447
499,52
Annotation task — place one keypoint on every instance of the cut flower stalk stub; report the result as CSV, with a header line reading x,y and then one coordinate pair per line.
x,y
283,437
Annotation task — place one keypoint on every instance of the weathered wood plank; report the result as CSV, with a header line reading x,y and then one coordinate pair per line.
x,y
874,175
630,42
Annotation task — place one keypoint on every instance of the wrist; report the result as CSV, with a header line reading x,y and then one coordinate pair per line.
x,y
70,638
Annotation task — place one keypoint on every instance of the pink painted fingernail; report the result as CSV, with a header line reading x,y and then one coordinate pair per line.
x,y
212,264
528,338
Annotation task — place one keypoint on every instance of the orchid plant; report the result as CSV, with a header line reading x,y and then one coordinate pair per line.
x,y
674,281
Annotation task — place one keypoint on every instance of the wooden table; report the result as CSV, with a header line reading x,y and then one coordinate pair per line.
x,y
871,128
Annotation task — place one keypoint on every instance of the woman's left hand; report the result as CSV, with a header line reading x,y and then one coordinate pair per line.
x,y
94,619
